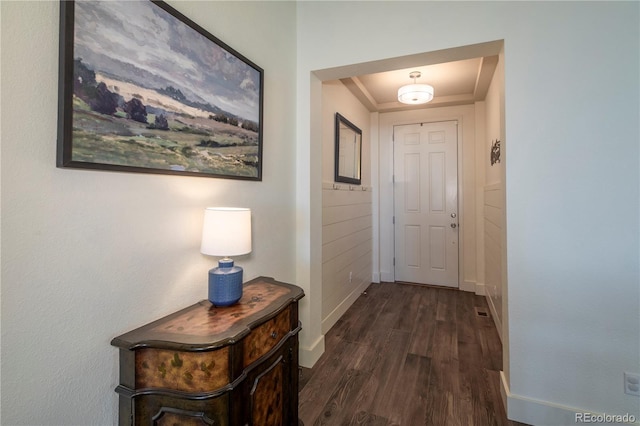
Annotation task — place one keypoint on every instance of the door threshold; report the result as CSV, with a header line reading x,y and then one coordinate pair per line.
x,y
444,287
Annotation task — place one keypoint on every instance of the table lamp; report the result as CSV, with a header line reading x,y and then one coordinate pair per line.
x,y
226,232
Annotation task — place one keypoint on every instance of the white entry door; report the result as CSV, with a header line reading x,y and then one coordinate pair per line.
x,y
426,203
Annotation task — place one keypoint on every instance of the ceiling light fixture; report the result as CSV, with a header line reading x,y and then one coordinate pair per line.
x,y
415,94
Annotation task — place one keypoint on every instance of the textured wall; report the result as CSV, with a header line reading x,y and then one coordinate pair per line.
x,y
494,233
493,213
571,110
346,214
87,255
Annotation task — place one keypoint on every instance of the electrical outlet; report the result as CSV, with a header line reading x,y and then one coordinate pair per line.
x,y
632,383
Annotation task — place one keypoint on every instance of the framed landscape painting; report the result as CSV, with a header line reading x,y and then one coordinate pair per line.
x,y
145,89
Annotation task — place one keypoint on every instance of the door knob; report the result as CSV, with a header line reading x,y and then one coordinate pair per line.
x,y
453,225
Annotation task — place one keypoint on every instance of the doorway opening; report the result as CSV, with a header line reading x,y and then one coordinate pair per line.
x,y
425,183
476,123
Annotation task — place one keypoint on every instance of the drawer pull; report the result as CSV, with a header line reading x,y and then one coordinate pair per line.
x,y
274,334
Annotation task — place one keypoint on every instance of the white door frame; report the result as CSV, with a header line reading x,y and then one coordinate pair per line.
x,y
384,196
457,217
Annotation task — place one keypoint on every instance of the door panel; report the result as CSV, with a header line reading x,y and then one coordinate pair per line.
x,y
437,247
412,244
436,182
412,192
426,203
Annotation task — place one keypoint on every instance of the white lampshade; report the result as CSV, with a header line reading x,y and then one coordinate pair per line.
x,y
415,94
226,231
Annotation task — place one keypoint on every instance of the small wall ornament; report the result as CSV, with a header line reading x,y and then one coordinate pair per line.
x,y
495,152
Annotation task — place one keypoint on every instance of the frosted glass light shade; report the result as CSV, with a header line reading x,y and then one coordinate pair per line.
x,y
226,231
415,94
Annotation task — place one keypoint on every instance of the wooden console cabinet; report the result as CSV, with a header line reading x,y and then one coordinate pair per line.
x,y
206,365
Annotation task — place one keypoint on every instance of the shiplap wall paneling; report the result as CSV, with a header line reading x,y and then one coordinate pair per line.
x,y
346,249
493,233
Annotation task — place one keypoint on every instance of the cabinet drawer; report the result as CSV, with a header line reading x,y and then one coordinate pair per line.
x,y
265,337
162,410
182,371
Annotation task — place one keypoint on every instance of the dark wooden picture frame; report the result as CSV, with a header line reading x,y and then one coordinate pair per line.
x,y
145,89
348,151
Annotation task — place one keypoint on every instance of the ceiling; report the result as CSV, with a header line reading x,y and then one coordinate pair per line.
x,y
459,77
457,82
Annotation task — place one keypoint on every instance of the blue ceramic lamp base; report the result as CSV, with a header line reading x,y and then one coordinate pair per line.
x,y
225,283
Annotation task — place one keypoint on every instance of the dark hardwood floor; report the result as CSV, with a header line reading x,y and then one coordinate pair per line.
x,y
408,355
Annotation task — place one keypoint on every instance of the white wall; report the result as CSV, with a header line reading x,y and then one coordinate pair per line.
x,y
346,210
571,108
337,98
494,124
493,213
493,237
88,255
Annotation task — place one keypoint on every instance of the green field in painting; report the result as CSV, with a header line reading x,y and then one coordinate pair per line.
x,y
191,143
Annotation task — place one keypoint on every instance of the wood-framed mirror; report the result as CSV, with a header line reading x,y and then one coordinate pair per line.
x,y
348,151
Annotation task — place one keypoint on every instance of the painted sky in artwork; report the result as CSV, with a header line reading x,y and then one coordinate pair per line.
x,y
139,42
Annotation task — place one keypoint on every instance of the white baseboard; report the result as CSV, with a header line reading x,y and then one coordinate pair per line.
x,y
545,413
310,355
387,277
335,315
494,314
375,277
469,286
473,287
